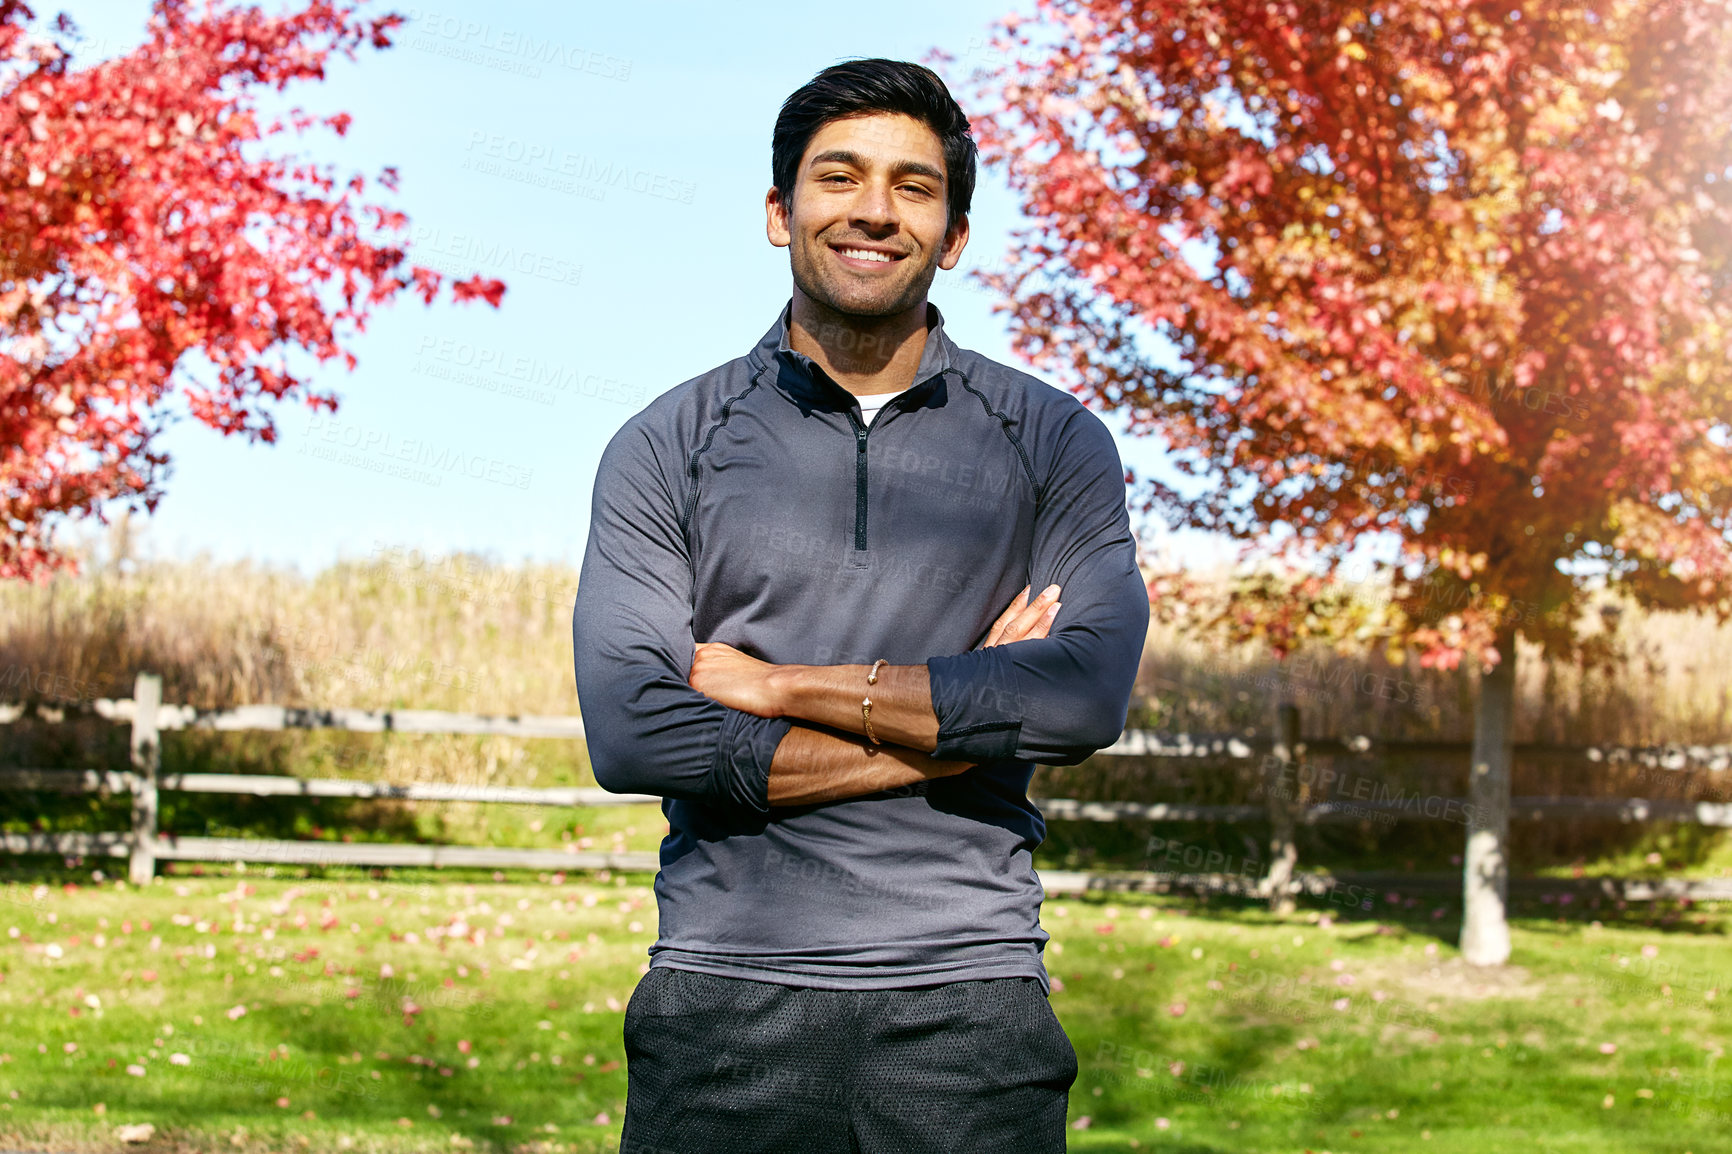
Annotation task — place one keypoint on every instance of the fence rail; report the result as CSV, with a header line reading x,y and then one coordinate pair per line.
x,y
277,717
1131,743
1057,882
123,844
1677,756
148,716
1521,808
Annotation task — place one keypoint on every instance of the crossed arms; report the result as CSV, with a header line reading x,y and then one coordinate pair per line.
x,y
1052,692
815,765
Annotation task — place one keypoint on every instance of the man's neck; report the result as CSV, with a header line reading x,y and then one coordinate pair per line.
x,y
864,355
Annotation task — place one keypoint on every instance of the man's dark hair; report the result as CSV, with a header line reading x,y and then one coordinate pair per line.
x,y
862,88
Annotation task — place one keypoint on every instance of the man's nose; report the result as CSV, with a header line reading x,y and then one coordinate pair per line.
x,y
876,207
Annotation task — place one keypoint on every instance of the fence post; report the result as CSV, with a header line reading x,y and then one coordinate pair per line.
x,y
146,756
1285,798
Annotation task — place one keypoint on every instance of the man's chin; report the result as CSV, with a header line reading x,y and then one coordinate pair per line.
x,y
862,304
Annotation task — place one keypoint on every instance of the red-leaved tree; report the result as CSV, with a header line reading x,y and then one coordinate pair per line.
x,y
143,221
1460,283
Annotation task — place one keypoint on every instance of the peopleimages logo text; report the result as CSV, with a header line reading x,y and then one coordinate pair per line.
x,y
579,166
381,444
461,30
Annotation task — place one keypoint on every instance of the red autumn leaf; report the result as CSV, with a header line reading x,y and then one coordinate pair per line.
x,y
489,290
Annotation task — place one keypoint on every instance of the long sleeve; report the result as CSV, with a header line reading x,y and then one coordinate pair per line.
x,y
647,729
1059,699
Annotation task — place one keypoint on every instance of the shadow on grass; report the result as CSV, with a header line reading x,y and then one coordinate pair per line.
x,y
1149,1061
1438,917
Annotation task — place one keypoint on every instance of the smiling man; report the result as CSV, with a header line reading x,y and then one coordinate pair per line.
x,y
792,626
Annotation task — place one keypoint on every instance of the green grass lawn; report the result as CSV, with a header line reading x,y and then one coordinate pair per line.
x,y
445,1011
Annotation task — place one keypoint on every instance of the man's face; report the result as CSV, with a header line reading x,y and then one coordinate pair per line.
x,y
867,226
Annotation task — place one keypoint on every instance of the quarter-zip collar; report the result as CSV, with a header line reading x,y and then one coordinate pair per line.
x,y
808,385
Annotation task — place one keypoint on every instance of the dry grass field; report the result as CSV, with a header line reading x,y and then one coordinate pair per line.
x,y
399,629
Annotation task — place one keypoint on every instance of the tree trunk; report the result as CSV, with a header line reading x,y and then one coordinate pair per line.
x,y
1283,793
1485,880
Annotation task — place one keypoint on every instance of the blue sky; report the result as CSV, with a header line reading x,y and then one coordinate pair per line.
x,y
616,293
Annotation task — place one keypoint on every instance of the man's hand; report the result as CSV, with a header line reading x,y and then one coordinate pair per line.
x,y
737,680
1022,621
741,681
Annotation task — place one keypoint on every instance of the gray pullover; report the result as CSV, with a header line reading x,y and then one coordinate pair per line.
x,y
749,505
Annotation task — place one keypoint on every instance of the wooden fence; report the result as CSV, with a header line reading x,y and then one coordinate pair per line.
x,y
144,845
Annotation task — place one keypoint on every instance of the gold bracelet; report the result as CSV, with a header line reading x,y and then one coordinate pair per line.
x,y
866,702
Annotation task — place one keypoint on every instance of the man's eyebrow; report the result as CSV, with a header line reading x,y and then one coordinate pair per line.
x,y
899,168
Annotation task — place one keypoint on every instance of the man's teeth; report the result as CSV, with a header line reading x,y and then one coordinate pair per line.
x,y
866,254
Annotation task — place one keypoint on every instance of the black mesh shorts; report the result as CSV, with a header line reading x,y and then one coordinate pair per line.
x,y
729,1066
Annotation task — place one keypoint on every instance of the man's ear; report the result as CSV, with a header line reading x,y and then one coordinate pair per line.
x,y
776,220
955,240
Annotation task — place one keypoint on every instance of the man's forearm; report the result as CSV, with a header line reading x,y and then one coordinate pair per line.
x,y
831,695
814,765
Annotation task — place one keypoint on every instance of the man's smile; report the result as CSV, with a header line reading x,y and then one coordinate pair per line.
x,y
862,256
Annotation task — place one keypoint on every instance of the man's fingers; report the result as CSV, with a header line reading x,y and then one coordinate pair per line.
x,y
1032,616
1024,620
1041,624
1047,618
1004,619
